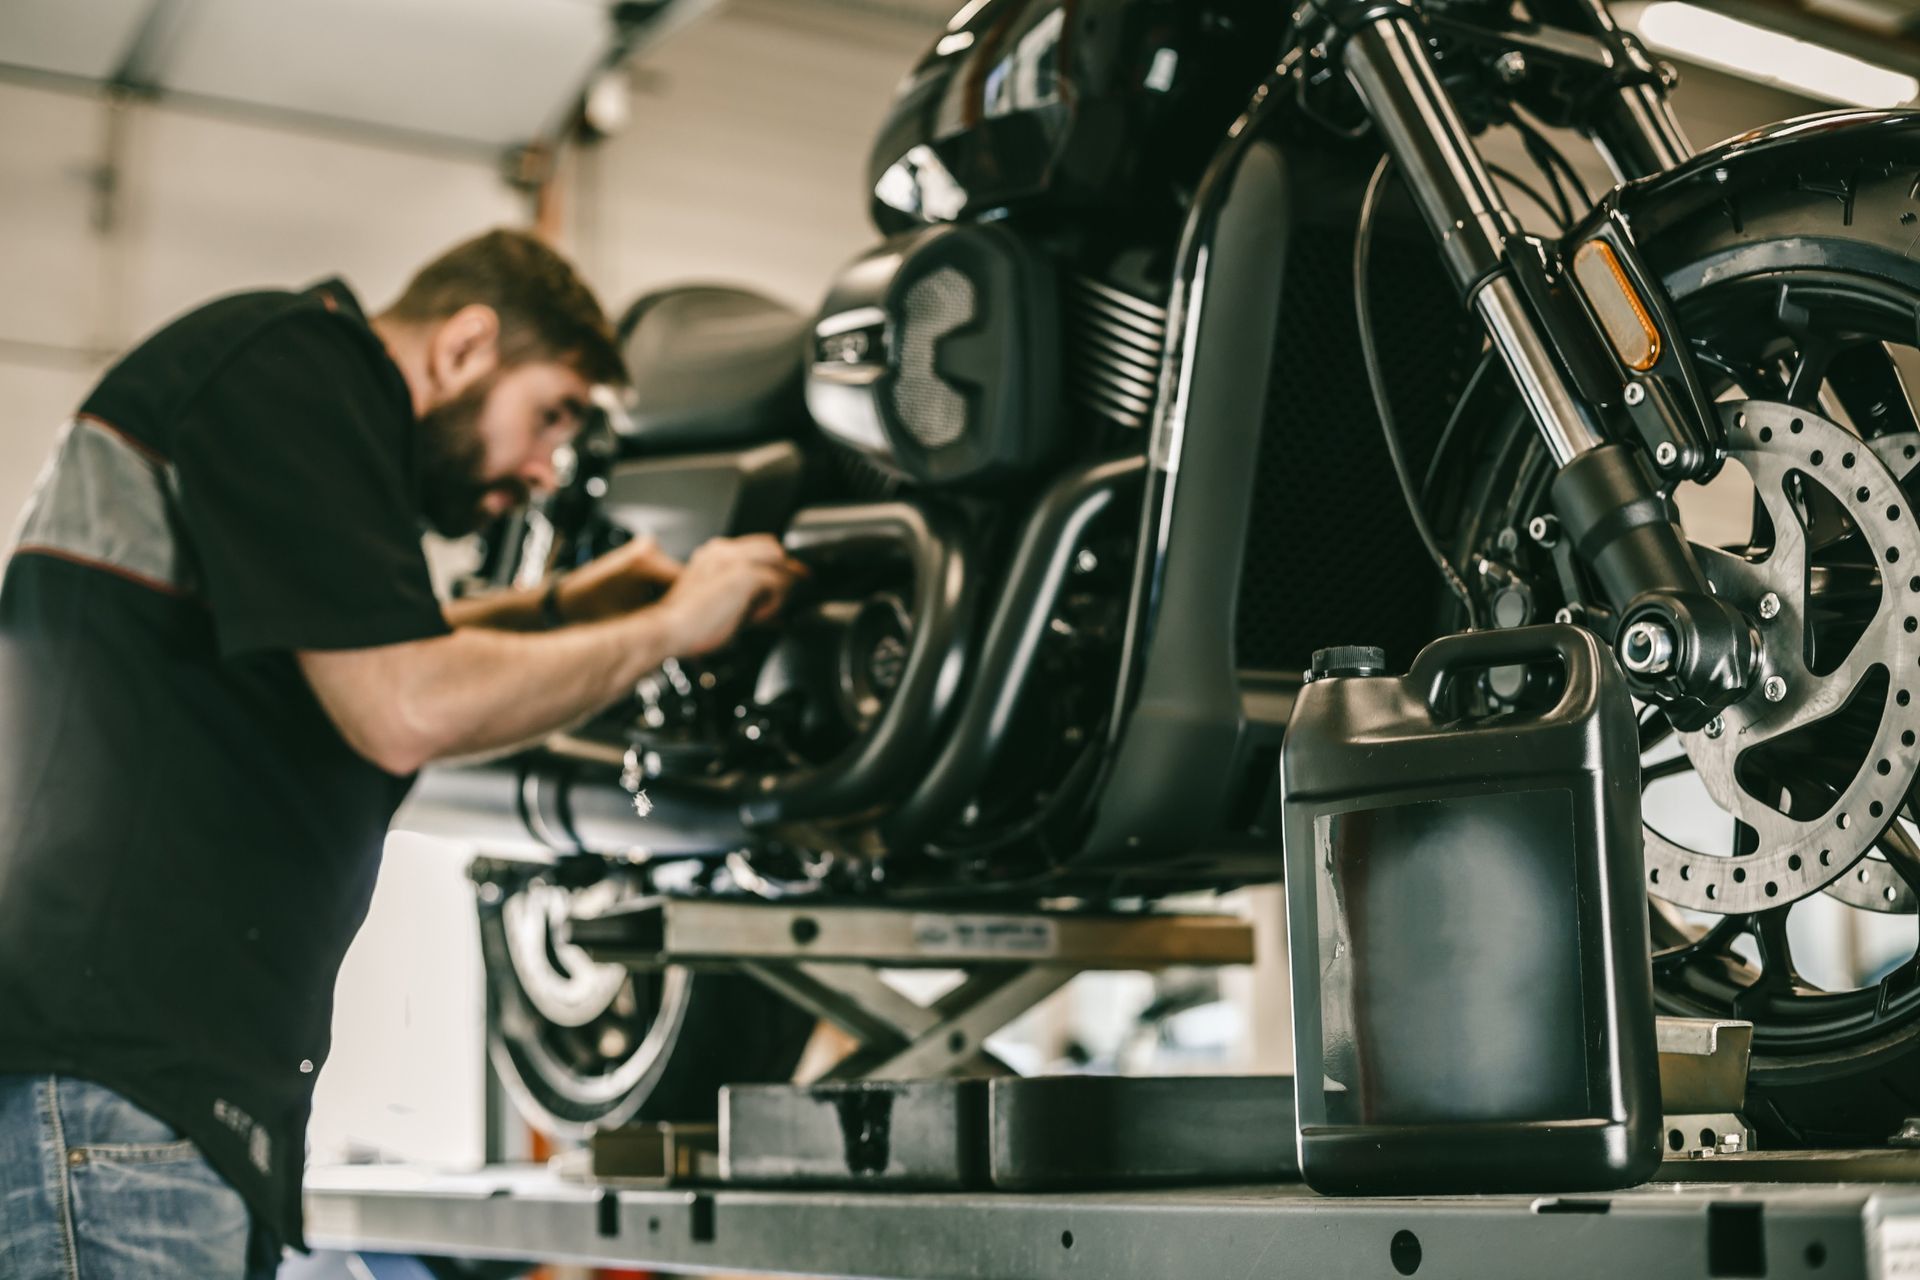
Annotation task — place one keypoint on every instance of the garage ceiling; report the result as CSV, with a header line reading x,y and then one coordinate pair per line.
x,y
491,72
499,73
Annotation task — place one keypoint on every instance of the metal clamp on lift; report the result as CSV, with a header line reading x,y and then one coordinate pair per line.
x,y
1703,1087
827,960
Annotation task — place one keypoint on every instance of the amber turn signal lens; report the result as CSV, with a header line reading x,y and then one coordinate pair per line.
x,y
1623,317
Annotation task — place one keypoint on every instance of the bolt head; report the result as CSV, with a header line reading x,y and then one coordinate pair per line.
x,y
1635,393
1511,66
1769,606
1086,561
1716,727
1774,689
1665,454
1544,530
1563,615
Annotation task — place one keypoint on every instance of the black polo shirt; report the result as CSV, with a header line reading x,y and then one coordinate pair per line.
x,y
187,845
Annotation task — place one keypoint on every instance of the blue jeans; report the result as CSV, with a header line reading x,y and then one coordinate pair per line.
x,y
93,1188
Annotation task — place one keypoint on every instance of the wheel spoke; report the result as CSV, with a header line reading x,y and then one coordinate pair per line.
x,y
1902,854
1777,972
1808,371
1716,941
1866,381
1655,729
1665,769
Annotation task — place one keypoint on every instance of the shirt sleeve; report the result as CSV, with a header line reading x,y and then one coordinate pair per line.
x,y
292,468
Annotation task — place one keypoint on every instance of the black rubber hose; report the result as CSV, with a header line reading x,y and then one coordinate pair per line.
x,y
1377,380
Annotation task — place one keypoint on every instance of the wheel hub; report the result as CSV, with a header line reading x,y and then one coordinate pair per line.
x,y
561,980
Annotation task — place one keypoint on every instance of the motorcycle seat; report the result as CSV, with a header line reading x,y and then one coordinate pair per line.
x,y
713,367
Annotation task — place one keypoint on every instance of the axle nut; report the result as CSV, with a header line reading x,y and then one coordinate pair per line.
x,y
1647,648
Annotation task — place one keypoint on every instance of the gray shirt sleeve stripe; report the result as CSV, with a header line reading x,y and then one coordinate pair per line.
x,y
104,501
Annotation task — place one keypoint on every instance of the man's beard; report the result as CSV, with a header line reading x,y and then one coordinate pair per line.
x,y
451,460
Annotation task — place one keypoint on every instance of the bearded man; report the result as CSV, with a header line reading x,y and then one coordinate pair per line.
x,y
221,662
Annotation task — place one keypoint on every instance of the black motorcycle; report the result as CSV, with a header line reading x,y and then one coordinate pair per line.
x,y
1203,336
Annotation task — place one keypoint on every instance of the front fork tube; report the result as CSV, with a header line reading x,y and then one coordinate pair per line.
x,y
1634,127
1681,646
1388,61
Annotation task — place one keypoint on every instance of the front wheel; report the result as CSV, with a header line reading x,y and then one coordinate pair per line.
x,y
1783,861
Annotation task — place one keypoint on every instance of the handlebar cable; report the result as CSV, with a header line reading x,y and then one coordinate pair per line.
x,y
1377,381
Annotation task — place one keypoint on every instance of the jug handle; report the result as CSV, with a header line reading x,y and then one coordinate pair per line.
x,y
1437,666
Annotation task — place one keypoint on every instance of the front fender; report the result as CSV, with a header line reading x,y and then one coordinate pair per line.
x,y
1829,153
1832,145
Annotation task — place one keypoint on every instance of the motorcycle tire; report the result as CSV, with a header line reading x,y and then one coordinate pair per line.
x,y
648,1046
1827,252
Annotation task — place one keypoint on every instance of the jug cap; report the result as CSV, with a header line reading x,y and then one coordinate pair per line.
x,y
1348,660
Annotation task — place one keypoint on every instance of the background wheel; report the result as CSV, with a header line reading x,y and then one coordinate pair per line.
x,y
583,1046
1802,296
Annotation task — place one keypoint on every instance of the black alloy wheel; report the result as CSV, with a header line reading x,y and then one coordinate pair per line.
x,y
1803,305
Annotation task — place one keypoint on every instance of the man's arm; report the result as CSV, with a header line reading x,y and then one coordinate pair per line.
x,y
621,580
508,609
404,705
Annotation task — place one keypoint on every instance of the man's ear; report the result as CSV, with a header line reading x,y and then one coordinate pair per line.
x,y
464,348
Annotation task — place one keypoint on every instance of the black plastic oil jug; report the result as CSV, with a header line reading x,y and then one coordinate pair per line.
x,y
1473,1001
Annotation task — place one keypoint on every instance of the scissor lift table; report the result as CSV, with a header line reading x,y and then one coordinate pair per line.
x,y
1715,1213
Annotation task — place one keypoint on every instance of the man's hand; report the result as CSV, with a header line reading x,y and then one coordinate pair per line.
x,y
484,687
725,583
626,578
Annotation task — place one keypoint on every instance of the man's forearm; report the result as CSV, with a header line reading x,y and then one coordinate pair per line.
x,y
479,690
496,689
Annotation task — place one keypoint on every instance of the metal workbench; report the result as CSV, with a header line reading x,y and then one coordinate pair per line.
x,y
1690,1229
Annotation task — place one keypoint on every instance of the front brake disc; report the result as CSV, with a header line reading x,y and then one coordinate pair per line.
x,y
1783,447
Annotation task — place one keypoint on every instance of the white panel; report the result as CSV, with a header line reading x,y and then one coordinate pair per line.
x,y
73,37
52,260
407,1073
215,205
492,71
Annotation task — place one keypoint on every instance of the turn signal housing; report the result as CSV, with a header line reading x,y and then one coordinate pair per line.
x,y
1622,315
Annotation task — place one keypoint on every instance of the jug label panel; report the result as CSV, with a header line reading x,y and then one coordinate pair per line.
x,y
1450,963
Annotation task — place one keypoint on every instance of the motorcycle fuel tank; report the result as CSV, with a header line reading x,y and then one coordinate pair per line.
x,y
1466,911
1067,104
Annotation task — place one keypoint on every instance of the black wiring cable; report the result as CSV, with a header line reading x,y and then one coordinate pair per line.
x,y
1454,420
1550,158
1377,380
1531,192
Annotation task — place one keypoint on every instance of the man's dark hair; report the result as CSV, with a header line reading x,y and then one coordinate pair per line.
x,y
546,312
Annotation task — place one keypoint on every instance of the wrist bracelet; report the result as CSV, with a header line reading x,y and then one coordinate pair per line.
x,y
550,604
